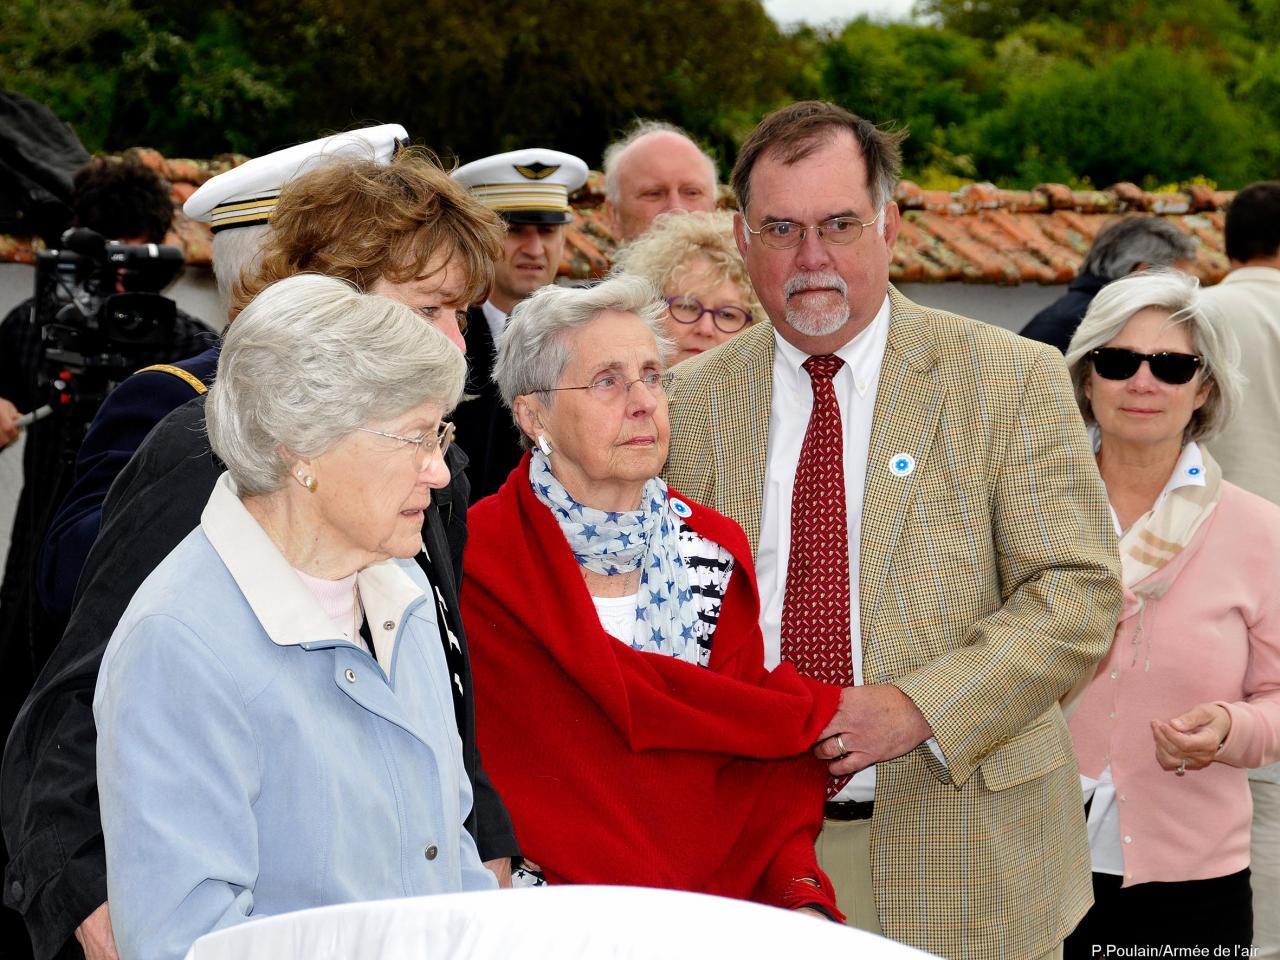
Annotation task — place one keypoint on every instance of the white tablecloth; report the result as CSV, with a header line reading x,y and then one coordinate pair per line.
x,y
548,923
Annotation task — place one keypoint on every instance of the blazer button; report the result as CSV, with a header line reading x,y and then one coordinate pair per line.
x,y
388,624
431,852
350,675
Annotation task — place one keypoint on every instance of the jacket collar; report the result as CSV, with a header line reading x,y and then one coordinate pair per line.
x,y
287,610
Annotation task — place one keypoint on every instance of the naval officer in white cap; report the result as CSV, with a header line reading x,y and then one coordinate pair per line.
x,y
530,190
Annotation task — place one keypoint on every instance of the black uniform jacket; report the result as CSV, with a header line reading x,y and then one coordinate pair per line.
x,y
48,791
485,428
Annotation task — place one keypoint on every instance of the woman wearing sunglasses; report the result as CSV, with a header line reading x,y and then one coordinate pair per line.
x,y
1188,698
276,709
692,259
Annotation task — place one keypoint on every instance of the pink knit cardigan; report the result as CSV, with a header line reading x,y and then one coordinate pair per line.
x,y
1206,627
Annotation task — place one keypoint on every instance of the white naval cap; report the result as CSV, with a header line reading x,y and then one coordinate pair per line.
x,y
525,186
246,195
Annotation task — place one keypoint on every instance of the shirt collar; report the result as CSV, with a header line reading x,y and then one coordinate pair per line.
x,y
862,356
286,608
1187,472
1246,274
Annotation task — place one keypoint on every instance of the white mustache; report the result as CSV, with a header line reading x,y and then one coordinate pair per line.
x,y
817,278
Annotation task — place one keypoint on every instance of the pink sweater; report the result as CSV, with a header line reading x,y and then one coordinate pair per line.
x,y
1213,636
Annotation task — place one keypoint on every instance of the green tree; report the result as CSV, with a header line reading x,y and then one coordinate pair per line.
x,y
1148,115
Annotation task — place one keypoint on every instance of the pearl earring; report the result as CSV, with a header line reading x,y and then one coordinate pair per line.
x,y
308,481
544,445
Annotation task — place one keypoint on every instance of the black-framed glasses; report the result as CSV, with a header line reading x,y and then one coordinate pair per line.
x,y
728,319
786,234
613,388
427,443
1116,363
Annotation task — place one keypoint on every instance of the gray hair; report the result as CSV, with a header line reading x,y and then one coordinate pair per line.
x,y
236,252
308,361
533,351
1211,336
1121,246
638,130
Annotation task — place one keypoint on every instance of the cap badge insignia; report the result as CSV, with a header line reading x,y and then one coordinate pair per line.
x,y
535,171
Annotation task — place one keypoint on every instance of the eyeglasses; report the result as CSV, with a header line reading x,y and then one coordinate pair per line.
x,y
727,319
427,443
1115,363
613,389
786,234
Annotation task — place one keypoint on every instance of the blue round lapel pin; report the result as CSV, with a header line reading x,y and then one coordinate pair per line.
x,y
680,508
902,464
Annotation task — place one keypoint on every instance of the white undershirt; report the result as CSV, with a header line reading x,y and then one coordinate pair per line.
x,y
618,615
855,387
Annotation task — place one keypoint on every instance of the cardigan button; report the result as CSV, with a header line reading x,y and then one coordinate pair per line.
x,y
1128,839
431,852
350,675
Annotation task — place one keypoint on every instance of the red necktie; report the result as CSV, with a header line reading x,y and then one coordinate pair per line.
x,y
815,608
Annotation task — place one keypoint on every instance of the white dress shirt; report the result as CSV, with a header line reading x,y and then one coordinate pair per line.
x,y
497,320
855,388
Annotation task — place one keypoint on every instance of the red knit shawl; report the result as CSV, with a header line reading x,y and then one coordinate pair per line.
x,y
621,767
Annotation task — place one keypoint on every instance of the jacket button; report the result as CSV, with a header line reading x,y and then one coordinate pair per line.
x,y
15,890
350,675
431,852
388,624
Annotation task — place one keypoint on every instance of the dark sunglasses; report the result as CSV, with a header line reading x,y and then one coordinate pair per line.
x,y
1114,363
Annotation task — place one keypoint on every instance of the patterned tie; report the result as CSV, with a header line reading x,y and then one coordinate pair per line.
x,y
815,609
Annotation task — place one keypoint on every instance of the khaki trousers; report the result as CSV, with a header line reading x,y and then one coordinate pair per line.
x,y
844,853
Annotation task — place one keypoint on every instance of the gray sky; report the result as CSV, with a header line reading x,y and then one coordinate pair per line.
x,y
820,12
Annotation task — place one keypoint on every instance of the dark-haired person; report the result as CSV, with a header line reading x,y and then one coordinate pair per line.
x,y
930,533
422,240
126,201
1248,448
1120,248
1188,697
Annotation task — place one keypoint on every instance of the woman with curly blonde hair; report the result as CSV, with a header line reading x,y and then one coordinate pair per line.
x,y
691,258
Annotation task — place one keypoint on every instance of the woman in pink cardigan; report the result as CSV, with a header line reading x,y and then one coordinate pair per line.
x,y
1188,698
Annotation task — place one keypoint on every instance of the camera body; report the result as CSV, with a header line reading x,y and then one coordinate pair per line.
x,y
98,309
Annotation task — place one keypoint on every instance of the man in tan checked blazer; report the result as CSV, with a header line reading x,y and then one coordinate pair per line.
x,y
983,567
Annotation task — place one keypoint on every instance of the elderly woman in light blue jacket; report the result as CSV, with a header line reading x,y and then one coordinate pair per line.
x,y
275,720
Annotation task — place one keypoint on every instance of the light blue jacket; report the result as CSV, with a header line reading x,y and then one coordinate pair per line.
x,y
251,761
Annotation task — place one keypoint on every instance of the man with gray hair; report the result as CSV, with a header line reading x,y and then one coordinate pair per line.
x,y
931,535
1119,249
654,168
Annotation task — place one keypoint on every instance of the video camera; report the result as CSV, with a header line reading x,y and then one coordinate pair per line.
x,y
99,310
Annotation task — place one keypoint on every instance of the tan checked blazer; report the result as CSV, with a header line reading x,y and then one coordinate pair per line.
x,y
989,584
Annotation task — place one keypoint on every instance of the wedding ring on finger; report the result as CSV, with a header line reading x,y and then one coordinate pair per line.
x,y
1182,768
840,745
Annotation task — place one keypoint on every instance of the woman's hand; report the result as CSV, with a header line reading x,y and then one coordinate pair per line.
x,y
1191,741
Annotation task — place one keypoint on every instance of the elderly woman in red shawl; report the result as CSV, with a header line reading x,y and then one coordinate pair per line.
x,y
622,704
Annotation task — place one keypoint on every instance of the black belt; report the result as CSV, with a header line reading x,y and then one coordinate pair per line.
x,y
848,809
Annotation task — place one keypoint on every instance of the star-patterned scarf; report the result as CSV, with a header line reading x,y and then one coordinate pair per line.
x,y
612,543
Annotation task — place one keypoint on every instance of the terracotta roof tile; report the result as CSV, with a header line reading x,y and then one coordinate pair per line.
x,y
977,234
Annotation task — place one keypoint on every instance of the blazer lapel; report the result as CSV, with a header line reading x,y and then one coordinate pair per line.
x,y
739,415
908,404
